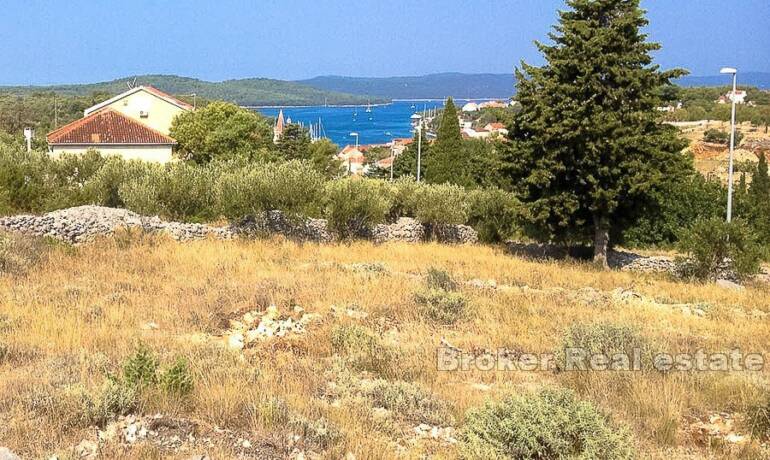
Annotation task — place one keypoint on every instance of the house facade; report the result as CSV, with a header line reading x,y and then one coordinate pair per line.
x,y
134,125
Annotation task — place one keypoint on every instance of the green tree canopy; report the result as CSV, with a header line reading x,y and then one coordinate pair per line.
x,y
222,131
294,143
448,162
588,144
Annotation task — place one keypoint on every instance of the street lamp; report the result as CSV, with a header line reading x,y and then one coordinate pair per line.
x,y
417,118
734,73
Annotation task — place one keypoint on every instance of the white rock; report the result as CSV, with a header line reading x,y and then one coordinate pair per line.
x,y
727,284
235,341
6,454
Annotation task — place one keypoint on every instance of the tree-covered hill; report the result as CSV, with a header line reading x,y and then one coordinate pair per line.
x,y
251,91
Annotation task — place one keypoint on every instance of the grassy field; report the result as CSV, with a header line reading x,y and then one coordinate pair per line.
x,y
361,374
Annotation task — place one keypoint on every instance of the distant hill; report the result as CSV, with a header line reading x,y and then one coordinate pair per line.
x,y
476,86
251,91
435,86
758,79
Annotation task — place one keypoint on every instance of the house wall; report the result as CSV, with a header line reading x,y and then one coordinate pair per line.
x,y
152,153
161,113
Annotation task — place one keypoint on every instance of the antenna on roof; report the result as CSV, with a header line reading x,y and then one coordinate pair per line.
x,y
131,84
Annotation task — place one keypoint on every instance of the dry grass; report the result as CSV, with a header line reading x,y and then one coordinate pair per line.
x,y
78,315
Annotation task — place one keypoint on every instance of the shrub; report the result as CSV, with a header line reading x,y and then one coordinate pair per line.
x,y
440,279
113,399
320,432
759,419
440,306
714,248
364,351
23,179
180,191
605,339
494,214
718,136
19,253
177,380
104,186
442,204
409,401
66,177
354,206
552,424
140,369
403,192
293,187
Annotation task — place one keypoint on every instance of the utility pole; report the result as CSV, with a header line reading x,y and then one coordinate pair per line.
x,y
734,72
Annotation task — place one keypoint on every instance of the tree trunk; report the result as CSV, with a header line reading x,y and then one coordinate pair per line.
x,y
601,239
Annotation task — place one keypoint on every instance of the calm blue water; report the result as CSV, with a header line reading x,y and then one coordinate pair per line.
x,y
384,123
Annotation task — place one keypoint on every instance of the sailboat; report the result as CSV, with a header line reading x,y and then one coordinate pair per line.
x,y
369,107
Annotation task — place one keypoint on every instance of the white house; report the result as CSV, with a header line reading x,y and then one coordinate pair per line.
x,y
134,124
470,107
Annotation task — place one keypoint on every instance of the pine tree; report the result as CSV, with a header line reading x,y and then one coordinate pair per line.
x,y
294,143
447,161
588,144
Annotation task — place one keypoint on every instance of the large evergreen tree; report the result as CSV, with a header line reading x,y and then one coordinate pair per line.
x,y
294,143
588,144
447,161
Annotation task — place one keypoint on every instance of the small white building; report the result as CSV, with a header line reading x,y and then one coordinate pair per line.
x,y
470,107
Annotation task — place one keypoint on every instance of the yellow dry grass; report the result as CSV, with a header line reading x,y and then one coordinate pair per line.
x,y
75,318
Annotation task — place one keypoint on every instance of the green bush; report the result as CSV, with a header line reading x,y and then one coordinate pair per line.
x,y
438,278
179,191
104,186
293,187
552,424
113,398
714,248
363,351
140,369
718,136
605,339
404,192
354,206
494,214
440,306
409,401
67,176
441,204
23,184
177,379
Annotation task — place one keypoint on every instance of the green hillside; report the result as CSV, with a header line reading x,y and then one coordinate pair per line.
x,y
251,91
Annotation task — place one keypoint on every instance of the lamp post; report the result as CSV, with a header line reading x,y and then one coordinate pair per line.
x,y
734,73
418,120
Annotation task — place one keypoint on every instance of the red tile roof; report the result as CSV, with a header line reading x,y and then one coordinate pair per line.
x,y
107,127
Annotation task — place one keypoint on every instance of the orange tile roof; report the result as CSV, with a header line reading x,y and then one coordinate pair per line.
x,y
107,127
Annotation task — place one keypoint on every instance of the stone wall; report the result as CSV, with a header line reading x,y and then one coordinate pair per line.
x,y
84,223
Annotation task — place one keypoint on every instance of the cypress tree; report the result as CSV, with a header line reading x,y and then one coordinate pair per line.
x,y
448,161
588,144
759,199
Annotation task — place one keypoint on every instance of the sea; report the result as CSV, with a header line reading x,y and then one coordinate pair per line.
x,y
384,123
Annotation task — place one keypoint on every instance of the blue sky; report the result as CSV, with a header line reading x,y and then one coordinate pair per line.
x,y
51,41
